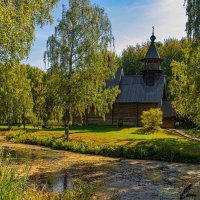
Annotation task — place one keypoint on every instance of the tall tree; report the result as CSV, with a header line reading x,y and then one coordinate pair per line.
x,y
193,23
78,57
185,84
18,20
15,95
38,90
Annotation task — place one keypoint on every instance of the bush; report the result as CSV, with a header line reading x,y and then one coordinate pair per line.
x,y
152,119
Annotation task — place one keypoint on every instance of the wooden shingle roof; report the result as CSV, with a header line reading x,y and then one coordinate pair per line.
x,y
134,90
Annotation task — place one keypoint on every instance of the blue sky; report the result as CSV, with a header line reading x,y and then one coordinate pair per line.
x,y
132,22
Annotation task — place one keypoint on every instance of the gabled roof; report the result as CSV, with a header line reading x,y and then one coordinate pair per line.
x,y
167,109
134,90
116,80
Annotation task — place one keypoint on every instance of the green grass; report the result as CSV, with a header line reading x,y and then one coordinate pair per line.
x,y
193,132
127,142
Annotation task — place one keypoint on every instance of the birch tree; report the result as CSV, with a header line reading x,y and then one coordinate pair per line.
x,y
79,55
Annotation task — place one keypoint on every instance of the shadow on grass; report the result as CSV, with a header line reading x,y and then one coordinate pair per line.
x,y
143,131
89,128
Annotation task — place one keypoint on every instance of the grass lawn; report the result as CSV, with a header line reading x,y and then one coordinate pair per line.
x,y
107,134
129,142
193,132
113,135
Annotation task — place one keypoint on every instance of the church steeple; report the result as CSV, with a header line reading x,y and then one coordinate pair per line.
x,y
152,53
152,69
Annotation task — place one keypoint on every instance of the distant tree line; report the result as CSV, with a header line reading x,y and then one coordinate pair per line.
x,y
80,59
171,50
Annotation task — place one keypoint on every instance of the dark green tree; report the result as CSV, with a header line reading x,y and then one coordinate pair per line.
x,y
193,23
37,79
131,59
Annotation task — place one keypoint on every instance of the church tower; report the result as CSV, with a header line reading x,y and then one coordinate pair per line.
x,y
152,69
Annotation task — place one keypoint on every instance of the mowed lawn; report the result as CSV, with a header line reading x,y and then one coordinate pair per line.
x,y
109,134
127,142
124,136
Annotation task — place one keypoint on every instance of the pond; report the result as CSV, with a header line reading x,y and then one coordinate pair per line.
x,y
53,182
133,179
57,181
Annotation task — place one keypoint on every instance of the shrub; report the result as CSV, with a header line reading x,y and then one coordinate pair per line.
x,y
152,119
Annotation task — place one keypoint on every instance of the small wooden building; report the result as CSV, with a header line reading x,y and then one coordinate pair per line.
x,y
139,93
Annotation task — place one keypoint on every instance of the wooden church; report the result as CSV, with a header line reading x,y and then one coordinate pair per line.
x,y
139,93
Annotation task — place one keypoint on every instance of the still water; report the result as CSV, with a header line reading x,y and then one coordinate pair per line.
x,y
51,181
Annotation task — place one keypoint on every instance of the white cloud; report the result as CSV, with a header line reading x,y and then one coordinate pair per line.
x,y
168,17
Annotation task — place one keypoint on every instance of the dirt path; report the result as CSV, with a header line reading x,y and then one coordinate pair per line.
x,y
180,132
133,179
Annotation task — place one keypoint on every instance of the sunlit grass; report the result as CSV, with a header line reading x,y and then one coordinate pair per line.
x,y
128,142
109,134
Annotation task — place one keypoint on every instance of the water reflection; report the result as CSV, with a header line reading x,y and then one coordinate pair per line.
x,y
53,182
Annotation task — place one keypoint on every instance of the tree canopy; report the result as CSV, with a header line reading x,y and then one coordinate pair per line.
x,y
170,50
185,83
193,23
80,61
18,20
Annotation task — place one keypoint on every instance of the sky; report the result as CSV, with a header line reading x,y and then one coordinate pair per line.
x,y
131,20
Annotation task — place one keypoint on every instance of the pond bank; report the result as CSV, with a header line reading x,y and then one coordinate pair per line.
x,y
133,179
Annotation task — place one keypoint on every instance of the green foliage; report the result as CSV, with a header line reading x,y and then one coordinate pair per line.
x,y
16,102
12,181
193,132
185,85
152,119
38,84
156,149
80,62
193,23
18,20
131,58
171,50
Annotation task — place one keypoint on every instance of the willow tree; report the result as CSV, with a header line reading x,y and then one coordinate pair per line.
x,y
18,19
15,95
80,58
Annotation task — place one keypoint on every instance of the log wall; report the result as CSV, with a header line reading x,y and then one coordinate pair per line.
x,y
128,113
168,122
